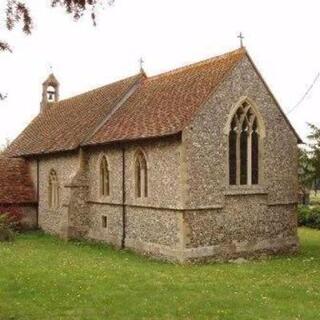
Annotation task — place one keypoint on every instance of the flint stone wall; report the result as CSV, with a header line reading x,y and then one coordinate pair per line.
x,y
112,234
253,218
246,226
78,207
149,222
56,221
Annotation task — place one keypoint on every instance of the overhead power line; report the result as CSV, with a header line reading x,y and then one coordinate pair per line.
x,y
306,93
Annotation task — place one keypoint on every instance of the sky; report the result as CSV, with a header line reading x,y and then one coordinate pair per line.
x,y
282,37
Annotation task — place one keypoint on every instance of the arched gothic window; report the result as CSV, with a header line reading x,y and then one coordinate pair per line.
x,y
244,147
53,191
104,177
141,175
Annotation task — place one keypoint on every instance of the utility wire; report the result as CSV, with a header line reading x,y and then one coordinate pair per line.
x,y
306,93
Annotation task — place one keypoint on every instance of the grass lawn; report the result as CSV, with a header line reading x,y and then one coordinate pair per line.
x,y
43,278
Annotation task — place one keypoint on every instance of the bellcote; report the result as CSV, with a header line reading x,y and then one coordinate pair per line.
x,y
50,92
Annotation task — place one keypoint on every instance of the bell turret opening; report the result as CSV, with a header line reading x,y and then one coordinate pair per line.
x,y
50,92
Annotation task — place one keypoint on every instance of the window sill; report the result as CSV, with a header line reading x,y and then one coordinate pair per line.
x,y
244,190
104,197
53,210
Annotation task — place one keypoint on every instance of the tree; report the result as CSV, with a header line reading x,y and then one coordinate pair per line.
x,y
305,174
17,12
309,163
314,153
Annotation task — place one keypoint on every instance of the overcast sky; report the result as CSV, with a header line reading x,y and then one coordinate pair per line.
x,y
281,36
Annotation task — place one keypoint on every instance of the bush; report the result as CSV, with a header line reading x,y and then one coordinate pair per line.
x,y
10,222
315,199
6,232
303,213
309,216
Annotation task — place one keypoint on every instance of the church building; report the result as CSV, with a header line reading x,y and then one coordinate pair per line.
x,y
195,164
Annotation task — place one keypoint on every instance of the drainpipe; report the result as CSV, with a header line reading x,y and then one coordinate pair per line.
x,y
38,184
123,240
82,160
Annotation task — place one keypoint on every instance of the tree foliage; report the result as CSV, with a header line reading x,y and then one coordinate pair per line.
x,y
78,7
18,12
309,160
306,172
314,153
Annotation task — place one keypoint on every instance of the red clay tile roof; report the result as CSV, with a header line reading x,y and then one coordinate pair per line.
x,y
165,104
159,106
65,124
15,182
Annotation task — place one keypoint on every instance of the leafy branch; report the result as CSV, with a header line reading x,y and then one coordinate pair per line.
x,y
17,12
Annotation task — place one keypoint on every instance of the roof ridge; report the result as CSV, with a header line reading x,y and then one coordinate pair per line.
x,y
98,88
197,64
173,71
122,99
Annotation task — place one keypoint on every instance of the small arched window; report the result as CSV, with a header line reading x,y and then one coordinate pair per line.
x,y
141,175
104,177
244,147
53,191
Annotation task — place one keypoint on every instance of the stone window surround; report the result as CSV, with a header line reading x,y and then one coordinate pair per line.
x,y
248,188
141,186
103,157
53,190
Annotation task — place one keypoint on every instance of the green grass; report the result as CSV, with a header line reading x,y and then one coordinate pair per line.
x,y
43,278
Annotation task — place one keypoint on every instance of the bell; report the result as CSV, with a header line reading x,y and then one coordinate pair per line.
x,y
50,96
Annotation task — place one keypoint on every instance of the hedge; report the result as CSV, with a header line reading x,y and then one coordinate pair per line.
x,y
309,216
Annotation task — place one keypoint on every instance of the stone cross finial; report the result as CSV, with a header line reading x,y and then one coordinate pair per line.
x,y
141,63
241,37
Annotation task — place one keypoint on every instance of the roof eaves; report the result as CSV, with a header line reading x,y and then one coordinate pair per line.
x,y
43,153
131,140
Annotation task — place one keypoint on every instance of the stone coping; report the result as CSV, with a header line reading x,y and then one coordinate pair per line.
x,y
76,186
289,203
214,207
244,190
